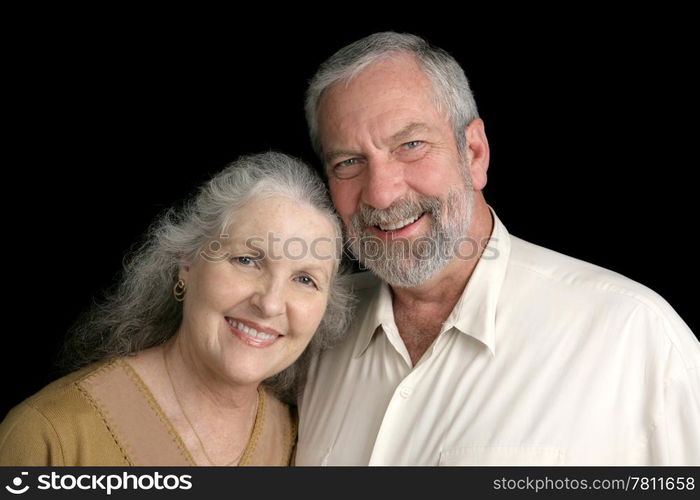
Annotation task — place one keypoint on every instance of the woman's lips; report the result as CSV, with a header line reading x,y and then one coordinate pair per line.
x,y
251,333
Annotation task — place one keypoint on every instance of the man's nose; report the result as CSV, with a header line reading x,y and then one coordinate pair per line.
x,y
384,183
269,298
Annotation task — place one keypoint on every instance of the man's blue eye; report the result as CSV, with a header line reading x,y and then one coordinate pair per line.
x,y
413,144
347,163
347,169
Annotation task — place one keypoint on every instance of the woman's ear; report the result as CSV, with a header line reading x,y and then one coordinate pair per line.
x,y
478,153
183,272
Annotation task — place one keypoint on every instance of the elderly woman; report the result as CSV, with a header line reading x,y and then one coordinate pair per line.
x,y
189,361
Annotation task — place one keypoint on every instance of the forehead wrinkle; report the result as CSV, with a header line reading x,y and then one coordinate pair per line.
x,y
349,97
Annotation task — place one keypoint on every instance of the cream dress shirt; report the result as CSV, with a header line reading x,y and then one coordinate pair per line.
x,y
545,359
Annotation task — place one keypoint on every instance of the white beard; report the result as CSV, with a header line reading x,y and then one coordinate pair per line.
x,y
409,263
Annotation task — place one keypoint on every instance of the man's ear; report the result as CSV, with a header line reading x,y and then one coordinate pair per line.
x,y
478,153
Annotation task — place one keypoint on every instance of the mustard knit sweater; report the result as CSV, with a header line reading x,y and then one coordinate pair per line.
x,y
76,421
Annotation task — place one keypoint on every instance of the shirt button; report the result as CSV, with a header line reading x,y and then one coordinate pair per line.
x,y
405,392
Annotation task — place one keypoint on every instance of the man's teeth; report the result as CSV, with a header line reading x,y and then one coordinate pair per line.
x,y
399,225
251,331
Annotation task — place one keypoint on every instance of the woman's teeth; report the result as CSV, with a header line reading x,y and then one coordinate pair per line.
x,y
250,331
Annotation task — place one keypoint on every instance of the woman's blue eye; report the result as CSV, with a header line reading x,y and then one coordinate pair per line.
x,y
246,261
306,280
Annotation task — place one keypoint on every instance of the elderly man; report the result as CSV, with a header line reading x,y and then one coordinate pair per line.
x,y
471,346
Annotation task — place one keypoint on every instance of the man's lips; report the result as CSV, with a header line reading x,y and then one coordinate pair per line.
x,y
253,333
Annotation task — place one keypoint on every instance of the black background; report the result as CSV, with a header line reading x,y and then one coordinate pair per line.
x,y
113,117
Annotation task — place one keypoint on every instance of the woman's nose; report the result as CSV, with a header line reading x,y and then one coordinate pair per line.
x,y
268,299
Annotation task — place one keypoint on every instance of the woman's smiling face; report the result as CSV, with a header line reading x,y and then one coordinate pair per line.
x,y
251,311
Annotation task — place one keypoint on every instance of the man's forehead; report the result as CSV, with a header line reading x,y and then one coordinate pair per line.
x,y
375,90
398,70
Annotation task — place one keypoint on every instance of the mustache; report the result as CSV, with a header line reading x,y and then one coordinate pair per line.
x,y
399,210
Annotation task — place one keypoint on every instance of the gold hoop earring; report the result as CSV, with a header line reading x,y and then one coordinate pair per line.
x,y
179,290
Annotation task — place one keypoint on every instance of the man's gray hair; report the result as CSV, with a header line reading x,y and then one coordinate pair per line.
x,y
451,92
141,312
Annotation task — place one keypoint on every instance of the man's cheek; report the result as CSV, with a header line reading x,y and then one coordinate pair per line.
x,y
344,204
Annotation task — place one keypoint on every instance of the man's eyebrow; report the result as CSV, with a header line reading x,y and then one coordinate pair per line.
x,y
408,131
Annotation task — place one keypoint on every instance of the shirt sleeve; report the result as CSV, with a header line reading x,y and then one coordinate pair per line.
x,y
676,439
28,438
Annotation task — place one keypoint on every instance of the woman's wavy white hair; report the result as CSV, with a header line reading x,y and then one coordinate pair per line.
x,y
141,312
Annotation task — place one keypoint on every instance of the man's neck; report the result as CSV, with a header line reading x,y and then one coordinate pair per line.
x,y
449,283
420,311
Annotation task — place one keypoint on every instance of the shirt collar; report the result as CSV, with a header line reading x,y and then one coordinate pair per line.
x,y
475,311
379,313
